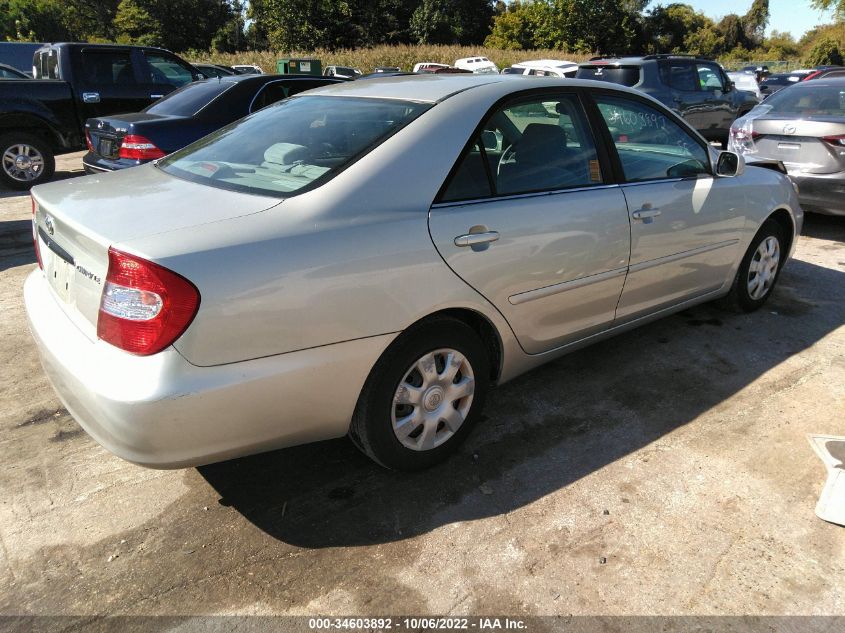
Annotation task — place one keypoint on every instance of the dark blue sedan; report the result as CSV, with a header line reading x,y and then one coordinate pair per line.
x,y
184,116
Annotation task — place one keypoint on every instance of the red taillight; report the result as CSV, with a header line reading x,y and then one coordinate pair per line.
x,y
812,75
35,235
144,307
838,139
88,141
138,147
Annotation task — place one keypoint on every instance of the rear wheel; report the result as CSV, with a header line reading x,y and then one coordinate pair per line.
x,y
759,270
25,160
423,396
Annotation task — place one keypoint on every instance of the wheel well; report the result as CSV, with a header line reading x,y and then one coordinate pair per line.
x,y
31,125
782,217
485,330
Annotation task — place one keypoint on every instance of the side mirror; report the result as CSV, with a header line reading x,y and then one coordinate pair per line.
x,y
729,86
729,165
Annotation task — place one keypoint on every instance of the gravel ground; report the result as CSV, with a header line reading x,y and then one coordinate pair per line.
x,y
665,471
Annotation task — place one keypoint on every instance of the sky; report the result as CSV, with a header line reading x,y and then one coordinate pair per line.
x,y
792,16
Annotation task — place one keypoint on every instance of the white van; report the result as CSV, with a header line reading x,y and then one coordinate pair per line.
x,y
479,65
543,67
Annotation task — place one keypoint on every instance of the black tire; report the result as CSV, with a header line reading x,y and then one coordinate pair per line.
x,y
739,298
12,139
372,425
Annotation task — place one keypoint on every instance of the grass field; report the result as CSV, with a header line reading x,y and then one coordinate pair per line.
x,y
368,58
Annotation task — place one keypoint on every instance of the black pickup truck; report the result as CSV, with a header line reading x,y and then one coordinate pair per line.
x,y
46,115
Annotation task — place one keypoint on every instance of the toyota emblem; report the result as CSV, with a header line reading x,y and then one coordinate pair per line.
x,y
48,222
789,128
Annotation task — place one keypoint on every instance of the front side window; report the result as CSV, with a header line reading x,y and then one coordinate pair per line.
x,y
651,146
709,77
292,145
538,144
166,70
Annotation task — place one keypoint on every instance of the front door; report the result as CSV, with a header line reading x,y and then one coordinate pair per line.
x,y
528,219
107,83
684,221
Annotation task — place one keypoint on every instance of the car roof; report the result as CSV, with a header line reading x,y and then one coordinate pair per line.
x,y
432,88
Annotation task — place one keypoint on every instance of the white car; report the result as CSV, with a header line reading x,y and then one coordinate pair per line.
x,y
478,65
746,82
429,66
543,68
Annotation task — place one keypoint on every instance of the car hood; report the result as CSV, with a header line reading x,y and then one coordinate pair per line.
x,y
142,201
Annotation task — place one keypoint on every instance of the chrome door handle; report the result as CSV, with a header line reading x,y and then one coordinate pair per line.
x,y
472,239
645,212
156,96
91,97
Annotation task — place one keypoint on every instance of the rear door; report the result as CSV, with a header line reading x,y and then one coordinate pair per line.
x,y
685,223
106,82
528,219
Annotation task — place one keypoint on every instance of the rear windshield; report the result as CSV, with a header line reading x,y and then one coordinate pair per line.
x,y
808,101
190,99
291,146
624,75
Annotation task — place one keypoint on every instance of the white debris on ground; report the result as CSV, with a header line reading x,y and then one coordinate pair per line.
x,y
831,450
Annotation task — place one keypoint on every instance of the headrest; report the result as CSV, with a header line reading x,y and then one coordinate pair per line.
x,y
285,153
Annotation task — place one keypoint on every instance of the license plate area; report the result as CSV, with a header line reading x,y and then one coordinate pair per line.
x,y
59,267
106,146
790,146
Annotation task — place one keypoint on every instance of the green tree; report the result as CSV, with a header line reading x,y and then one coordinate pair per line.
x,y
826,51
516,28
451,21
666,29
34,20
754,22
133,23
838,7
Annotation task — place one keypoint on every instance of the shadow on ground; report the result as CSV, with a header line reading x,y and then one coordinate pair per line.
x,y
546,429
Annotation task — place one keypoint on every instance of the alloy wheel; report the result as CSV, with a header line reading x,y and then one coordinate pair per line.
x,y
23,162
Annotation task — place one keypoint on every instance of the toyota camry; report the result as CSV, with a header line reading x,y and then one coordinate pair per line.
x,y
368,259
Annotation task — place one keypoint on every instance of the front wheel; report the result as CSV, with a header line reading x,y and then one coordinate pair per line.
x,y
25,160
423,396
759,270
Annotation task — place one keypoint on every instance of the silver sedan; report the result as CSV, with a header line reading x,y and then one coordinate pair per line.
x,y
802,126
368,259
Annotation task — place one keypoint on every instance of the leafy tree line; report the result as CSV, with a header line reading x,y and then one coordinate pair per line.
x,y
570,26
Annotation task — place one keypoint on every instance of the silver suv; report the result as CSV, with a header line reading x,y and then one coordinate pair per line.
x,y
696,88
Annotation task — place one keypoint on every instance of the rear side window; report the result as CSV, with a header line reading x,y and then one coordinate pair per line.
x,y
538,144
166,70
650,145
107,67
190,99
623,75
678,74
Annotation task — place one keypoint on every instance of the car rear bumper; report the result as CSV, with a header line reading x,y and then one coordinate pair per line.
x,y
163,412
96,164
821,193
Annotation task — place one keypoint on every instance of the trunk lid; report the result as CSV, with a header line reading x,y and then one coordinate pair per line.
x,y
107,133
798,143
77,221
